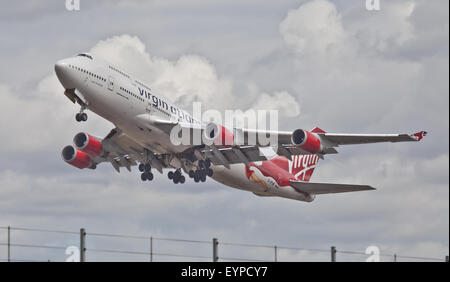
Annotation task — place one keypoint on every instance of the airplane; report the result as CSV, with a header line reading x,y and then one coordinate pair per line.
x,y
144,121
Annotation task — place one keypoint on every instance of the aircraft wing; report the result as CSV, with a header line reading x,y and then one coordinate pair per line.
x,y
336,139
226,155
327,188
122,151
330,139
246,144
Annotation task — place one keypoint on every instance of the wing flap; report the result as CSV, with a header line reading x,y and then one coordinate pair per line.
x,y
327,188
123,151
250,152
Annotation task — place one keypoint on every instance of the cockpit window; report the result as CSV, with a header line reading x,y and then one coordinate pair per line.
x,y
85,55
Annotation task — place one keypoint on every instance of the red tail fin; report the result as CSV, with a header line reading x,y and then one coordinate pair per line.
x,y
302,166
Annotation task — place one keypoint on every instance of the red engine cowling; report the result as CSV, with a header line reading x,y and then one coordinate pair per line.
x,y
218,135
76,157
88,144
306,141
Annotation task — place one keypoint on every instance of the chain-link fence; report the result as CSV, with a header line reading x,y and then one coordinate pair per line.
x,y
18,244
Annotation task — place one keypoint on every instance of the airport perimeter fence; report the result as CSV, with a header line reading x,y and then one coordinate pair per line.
x,y
90,246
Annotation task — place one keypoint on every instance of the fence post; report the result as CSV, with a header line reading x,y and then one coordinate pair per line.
x,y
275,249
215,250
395,257
9,244
333,254
151,249
82,245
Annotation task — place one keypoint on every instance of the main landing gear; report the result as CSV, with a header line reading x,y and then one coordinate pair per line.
x,y
176,176
146,172
199,175
204,169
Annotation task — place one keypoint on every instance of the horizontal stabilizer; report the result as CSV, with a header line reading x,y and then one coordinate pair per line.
x,y
263,194
327,188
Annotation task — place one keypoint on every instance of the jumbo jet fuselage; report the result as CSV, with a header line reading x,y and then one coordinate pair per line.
x,y
142,116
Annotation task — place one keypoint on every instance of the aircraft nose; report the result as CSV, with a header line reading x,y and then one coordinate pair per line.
x,y
59,66
63,73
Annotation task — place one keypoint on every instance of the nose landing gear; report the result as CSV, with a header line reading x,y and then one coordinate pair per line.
x,y
81,116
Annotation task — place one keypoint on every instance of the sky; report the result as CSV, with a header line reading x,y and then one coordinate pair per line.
x,y
332,64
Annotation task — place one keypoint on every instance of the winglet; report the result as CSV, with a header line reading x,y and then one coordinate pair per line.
x,y
419,135
318,130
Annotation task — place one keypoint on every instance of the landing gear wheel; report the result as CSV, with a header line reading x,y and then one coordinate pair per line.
x,y
203,177
170,175
147,167
207,163
177,177
196,177
81,117
141,167
209,172
191,174
201,164
147,176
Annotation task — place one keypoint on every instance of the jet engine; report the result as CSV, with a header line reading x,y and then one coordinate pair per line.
x,y
76,157
306,140
88,144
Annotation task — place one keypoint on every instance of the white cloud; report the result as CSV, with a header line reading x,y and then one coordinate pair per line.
x,y
282,101
358,65
384,30
315,27
190,78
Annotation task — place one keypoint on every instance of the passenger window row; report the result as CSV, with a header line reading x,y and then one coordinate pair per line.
x,y
121,72
131,93
88,72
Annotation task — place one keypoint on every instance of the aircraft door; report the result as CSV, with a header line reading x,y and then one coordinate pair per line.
x,y
148,108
